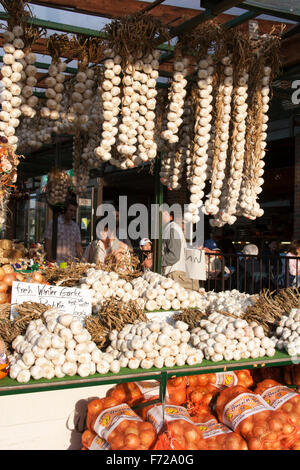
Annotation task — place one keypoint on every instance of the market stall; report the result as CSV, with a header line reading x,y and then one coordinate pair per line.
x,y
74,331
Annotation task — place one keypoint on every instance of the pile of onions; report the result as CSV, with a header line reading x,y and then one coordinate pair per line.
x,y
264,428
127,431
216,435
175,428
7,277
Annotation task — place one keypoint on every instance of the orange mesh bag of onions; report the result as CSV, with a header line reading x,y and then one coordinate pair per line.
x,y
291,375
285,399
129,393
121,427
258,423
204,387
91,441
175,429
217,436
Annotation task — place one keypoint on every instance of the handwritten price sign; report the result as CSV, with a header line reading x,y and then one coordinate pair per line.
x,y
72,300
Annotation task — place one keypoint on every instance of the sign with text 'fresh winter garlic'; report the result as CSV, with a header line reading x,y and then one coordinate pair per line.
x,y
72,300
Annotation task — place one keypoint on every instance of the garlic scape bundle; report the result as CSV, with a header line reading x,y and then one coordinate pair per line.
x,y
221,140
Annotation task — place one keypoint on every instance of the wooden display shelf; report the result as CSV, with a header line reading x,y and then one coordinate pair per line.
x,y
9,386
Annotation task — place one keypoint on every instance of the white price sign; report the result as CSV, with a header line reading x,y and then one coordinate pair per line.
x,y
72,300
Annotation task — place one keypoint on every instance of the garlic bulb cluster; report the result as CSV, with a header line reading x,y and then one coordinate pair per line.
x,y
11,94
152,344
176,98
28,82
152,291
55,345
223,338
111,100
202,138
175,158
287,335
221,141
230,301
57,187
82,97
54,91
231,192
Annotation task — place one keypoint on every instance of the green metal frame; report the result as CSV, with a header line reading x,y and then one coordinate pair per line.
x,y
11,387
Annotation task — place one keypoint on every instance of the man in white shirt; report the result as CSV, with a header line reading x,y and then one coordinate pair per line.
x,y
173,253
69,245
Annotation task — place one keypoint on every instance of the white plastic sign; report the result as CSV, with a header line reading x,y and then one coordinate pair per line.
x,y
195,263
72,300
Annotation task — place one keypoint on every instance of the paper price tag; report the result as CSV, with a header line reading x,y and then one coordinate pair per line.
x,y
72,300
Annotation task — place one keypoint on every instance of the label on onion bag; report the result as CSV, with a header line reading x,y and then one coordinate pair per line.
x,y
110,418
99,444
212,428
278,395
241,407
166,413
72,300
150,388
225,379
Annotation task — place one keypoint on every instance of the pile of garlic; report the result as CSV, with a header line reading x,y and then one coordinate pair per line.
x,y
230,301
287,334
55,345
151,344
220,337
152,291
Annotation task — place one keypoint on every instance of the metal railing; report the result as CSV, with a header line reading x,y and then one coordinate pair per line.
x,y
250,273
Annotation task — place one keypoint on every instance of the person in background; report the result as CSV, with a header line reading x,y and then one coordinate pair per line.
x,y
147,255
124,240
227,246
271,260
173,253
252,278
294,264
107,243
69,247
214,261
